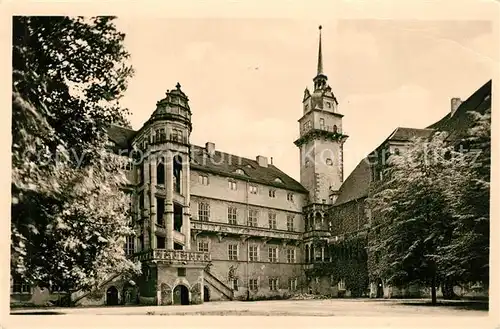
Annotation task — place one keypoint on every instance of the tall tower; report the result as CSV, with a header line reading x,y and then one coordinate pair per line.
x,y
165,172
321,140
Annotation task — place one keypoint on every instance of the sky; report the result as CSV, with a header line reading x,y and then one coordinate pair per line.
x,y
245,78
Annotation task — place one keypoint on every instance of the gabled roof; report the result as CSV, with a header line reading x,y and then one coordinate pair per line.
x,y
356,185
358,182
406,134
225,164
458,123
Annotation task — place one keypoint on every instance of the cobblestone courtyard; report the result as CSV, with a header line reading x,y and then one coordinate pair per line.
x,y
336,307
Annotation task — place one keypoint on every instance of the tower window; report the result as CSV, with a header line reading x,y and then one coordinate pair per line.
x,y
329,105
160,172
329,162
322,123
160,205
335,128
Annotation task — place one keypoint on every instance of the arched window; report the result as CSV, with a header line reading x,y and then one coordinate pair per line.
x,y
177,173
160,172
335,128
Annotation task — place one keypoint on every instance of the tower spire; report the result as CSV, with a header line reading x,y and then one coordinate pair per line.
x,y
320,55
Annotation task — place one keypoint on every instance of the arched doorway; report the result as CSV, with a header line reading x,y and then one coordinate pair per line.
x,y
206,294
380,289
181,295
112,296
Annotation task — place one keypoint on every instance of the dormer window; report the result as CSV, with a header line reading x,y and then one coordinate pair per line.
x,y
329,105
278,180
240,171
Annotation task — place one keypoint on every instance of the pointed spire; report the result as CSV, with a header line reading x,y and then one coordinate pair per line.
x,y
320,55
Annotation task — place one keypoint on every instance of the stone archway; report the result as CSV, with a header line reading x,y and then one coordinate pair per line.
x,y
181,295
206,294
112,296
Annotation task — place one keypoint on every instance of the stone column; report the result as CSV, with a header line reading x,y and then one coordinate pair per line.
x,y
169,205
322,254
152,182
147,205
186,211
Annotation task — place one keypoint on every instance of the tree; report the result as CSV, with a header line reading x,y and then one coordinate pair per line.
x,y
412,214
69,212
466,257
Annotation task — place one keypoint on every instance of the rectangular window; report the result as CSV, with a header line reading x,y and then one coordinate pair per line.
x,y
252,189
232,251
253,284
322,123
253,253
20,286
130,245
273,254
231,215
160,205
203,211
272,193
203,246
235,284
160,242
181,271
289,197
252,217
273,283
289,222
272,221
232,185
290,255
203,180
292,284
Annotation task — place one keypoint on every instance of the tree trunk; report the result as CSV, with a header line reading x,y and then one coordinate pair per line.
x,y
433,291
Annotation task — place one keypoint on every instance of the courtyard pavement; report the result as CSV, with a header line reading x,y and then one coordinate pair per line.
x,y
325,307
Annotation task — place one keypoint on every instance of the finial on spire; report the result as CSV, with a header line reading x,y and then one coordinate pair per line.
x,y
178,86
320,55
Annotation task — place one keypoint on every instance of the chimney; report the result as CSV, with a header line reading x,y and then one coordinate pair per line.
x,y
262,161
271,160
455,103
210,147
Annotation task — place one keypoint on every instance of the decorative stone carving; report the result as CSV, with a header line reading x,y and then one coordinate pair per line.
x,y
166,294
196,294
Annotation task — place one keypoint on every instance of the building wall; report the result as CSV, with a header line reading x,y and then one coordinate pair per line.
x,y
218,188
349,217
244,269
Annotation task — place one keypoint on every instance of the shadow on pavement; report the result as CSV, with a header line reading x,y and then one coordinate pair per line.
x,y
38,313
459,305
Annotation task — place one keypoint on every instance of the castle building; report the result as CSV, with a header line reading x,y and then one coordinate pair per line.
x,y
214,226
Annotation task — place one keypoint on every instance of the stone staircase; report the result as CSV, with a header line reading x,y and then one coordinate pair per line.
x,y
218,285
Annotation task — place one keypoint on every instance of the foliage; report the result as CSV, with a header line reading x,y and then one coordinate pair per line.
x,y
466,257
69,217
431,212
349,262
